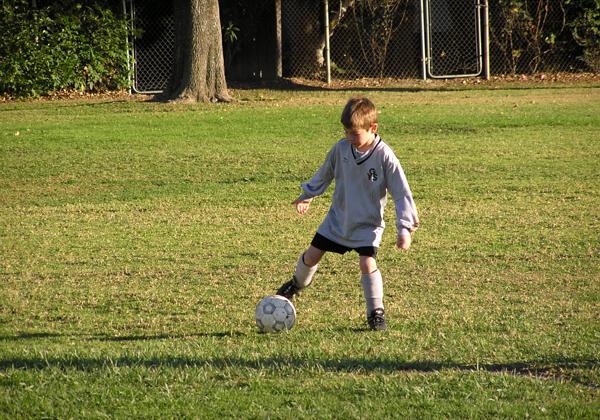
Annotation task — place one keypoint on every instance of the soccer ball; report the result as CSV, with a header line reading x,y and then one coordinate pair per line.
x,y
274,314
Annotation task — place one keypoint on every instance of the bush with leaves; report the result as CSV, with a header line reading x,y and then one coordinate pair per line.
x,y
543,35
527,35
64,45
585,27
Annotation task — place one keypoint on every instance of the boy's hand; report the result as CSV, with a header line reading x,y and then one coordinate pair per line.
x,y
301,205
404,240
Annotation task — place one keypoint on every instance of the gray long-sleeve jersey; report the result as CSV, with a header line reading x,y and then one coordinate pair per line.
x,y
355,218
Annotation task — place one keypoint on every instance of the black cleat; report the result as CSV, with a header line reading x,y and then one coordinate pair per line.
x,y
288,289
377,320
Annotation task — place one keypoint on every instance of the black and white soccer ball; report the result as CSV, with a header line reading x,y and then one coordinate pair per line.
x,y
275,314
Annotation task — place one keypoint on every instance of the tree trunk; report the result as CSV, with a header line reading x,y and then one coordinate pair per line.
x,y
198,72
334,19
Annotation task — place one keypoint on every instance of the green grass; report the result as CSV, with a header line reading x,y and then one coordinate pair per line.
x,y
136,239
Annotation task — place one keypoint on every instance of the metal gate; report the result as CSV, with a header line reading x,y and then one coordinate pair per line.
x,y
153,45
453,37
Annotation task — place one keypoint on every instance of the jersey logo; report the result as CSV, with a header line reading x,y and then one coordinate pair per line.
x,y
372,175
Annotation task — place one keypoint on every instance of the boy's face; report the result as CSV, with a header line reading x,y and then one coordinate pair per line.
x,y
360,137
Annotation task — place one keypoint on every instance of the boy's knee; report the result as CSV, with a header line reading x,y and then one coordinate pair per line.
x,y
367,265
312,256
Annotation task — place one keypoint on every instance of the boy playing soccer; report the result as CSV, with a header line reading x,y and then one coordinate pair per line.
x,y
364,169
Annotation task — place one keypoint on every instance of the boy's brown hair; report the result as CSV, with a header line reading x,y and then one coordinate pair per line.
x,y
359,112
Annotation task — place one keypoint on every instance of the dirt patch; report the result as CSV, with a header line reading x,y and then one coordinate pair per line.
x,y
541,80
75,95
502,81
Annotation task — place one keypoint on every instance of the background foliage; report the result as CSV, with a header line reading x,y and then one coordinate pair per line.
x,y
585,26
382,38
53,45
538,34
61,45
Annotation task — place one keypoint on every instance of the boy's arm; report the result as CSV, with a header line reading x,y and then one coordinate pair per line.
x,y
404,239
317,184
407,218
301,204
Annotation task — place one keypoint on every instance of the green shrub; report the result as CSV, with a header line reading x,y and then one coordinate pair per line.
x,y
586,30
65,45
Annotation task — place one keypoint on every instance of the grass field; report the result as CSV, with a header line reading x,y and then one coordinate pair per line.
x,y
137,237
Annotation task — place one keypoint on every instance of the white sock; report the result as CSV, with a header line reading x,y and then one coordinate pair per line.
x,y
304,273
372,285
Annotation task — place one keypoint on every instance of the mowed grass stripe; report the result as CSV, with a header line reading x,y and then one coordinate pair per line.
x,y
137,237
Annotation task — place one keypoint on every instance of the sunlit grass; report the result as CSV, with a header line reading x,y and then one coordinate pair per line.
x,y
136,238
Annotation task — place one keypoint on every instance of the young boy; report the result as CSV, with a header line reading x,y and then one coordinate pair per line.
x,y
364,169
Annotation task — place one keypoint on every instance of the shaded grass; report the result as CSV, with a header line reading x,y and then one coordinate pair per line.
x,y
136,239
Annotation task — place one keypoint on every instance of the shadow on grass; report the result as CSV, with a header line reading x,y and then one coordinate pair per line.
x,y
287,85
165,336
450,85
29,336
119,338
290,85
562,369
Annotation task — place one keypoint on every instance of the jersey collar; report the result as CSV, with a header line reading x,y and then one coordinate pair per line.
x,y
377,140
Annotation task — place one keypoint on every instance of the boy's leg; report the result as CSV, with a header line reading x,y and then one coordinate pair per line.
x,y
312,256
307,266
372,284
368,264
305,269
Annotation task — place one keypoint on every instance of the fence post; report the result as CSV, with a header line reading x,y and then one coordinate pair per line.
x,y
423,52
129,81
327,54
486,44
278,48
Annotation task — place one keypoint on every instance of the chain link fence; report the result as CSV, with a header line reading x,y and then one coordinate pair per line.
x,y
153,26
533,36
453,37
367,39
375,39
383,38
